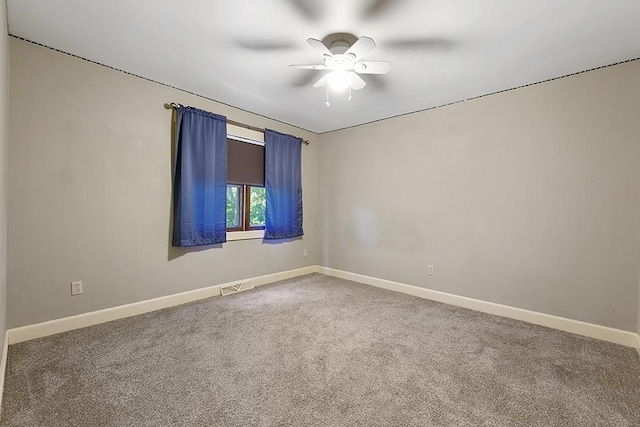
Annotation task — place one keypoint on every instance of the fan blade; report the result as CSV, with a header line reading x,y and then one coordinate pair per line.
x,y
357,83
304,78
361,47
307,8
260,46
319,47
376,81
377,8
431,43
372,67
322,82
309,67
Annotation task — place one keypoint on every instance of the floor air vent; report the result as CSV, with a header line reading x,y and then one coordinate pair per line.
x,y
238,287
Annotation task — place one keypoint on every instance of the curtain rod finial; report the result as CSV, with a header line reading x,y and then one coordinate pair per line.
x,y
167,106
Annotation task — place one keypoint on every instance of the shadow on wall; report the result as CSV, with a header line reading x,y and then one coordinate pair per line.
x,y
176,252
278,241
172,251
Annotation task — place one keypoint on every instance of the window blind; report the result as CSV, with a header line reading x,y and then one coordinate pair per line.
x,y
245,163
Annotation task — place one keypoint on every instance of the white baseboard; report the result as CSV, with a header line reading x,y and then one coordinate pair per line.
x,y
38,330
3,367
617,336
51,327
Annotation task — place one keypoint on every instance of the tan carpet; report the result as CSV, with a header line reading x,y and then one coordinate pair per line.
x,y
319,351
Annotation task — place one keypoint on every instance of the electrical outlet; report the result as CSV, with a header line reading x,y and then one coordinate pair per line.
x,y
76,287
429,270
306,252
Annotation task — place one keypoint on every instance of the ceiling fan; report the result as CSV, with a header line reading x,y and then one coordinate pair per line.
x,y
344,61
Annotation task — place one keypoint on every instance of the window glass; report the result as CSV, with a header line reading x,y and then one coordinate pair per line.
x,y
257,204
234,206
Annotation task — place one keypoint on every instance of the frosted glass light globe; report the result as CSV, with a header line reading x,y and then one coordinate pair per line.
x,y
339,80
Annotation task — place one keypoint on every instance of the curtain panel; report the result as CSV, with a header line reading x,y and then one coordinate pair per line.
x,y
200,178
283,183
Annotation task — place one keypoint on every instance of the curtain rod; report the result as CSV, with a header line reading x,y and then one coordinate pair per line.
x,y
170,105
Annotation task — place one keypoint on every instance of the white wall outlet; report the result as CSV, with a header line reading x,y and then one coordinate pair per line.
x,y
306,252
76,287
429,270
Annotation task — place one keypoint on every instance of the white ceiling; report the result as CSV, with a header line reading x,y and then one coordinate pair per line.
x,y
237,51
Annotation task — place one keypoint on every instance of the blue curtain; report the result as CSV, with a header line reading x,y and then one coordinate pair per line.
x,y
283,183
200,178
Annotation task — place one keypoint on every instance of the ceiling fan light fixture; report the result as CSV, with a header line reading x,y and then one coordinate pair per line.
x,y
343,60
340,80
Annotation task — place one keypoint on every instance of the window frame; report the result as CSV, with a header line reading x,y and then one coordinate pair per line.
x,y
238,207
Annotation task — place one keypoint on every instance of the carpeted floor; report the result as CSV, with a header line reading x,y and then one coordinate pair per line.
x,y
319,351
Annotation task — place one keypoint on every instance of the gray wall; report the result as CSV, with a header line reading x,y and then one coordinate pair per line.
x,y
90,192
4,93
529,198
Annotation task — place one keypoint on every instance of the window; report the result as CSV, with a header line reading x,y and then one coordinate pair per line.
x,y
246,196
245,207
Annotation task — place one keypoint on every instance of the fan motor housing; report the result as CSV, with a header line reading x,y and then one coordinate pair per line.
x,y
339,41
338,44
